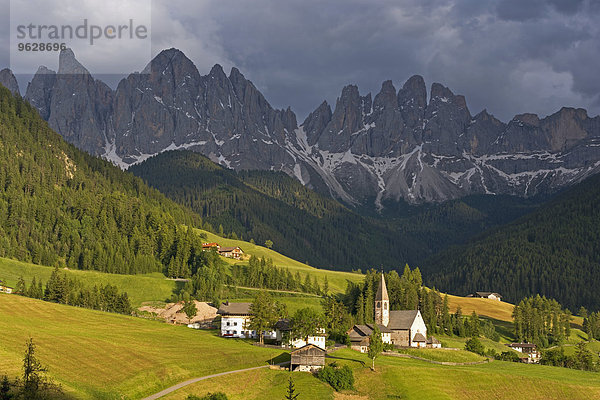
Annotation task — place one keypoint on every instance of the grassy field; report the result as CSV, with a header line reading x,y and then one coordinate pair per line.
x,y
337,279
258,385
140,288
398,378
154,288
499,310
459,343
97,355
444,355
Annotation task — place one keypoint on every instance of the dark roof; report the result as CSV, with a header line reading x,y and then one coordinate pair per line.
x,y
402,320
419,338
283,325
433,340
306,347
382,293
366,330
235,309
486,294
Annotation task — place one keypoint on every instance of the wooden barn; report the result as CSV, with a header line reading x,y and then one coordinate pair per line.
x,y
307,358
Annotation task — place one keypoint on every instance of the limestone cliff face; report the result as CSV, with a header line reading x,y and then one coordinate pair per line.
x,y
399,145
8,80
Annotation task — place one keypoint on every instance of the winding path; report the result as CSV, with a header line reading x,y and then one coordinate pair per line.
x,y
189,382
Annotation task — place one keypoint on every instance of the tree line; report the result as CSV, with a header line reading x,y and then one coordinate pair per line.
x,y
261,273
62,207
541,321
63,289
406,292
591,323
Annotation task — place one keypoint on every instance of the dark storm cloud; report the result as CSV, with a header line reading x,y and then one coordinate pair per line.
x,y
509,56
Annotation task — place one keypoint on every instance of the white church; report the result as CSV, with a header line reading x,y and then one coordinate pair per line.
x,y
401,328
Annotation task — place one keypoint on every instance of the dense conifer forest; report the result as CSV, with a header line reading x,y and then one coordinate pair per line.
x,y
554,251
307,226
62,207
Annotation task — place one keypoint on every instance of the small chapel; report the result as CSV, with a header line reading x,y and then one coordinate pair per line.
x,y
401,328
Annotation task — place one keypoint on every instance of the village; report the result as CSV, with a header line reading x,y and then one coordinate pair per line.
x,y
398,328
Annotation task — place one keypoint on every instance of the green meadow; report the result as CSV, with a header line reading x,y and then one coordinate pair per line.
x,y
400,378
98,355
336,279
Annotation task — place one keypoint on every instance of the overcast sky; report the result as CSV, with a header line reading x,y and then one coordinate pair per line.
x,y
509,56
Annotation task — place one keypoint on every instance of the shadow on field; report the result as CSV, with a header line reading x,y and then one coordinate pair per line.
x,y
504,328
281,358
346,359
179,284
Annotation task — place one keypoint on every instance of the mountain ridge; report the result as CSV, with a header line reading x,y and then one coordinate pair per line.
x,y
400,145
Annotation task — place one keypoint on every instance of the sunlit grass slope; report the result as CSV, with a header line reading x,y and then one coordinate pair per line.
x,y
98,355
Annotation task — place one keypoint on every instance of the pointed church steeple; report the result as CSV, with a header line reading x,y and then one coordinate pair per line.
x,y
382,304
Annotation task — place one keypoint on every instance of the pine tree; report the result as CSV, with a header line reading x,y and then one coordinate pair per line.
x,y
5,389
369,302
264,314
291,391
446,319
360,310
21,288
33,372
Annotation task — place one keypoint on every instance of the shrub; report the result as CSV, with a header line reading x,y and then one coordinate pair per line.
x,y
509,356
339,378
474,345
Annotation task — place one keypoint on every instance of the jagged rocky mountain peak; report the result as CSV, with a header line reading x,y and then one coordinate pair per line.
x,y
388,87
527,118
69,65
8,80
399,145
413,92
217,72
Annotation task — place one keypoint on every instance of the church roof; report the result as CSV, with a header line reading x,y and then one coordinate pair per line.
x,y
382,293
367,330
402,320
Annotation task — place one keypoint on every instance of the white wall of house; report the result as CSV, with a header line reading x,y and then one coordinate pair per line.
x,y
235,326
418,326
316,340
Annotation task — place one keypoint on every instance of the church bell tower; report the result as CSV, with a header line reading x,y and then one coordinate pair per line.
x,y
382,304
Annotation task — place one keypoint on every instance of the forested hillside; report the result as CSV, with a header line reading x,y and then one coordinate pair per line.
x,y
307,226
555,252
62,207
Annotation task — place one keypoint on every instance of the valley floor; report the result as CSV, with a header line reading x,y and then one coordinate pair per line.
x,y
96,355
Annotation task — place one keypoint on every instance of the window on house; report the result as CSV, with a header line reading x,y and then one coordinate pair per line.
x,y
227,323
235,323
385,306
